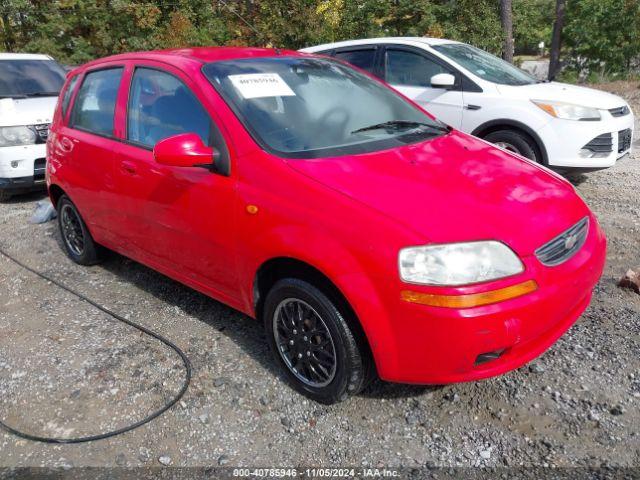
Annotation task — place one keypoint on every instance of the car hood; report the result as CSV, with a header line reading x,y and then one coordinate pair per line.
x,y
26,111
563,92
456,188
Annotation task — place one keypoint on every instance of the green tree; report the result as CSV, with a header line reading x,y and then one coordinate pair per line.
x,y
603,34
289,23
598,32
405,17
331,12
532,23
472,21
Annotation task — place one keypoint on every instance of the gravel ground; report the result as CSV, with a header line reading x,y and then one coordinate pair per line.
x,y
68,370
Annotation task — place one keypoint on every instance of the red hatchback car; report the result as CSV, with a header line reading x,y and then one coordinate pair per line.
x,y
366,235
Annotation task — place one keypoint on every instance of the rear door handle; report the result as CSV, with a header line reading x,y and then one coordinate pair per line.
x,y
128,167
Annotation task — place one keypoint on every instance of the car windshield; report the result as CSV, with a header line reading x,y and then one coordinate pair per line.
x,y
30,78
485,65
300,107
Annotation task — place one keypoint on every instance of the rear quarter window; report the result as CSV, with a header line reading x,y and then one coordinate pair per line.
x,y
95,104
67,95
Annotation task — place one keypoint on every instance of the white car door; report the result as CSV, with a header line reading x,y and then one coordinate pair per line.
x,y
409,70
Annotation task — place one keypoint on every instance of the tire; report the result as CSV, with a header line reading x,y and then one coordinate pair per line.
x,y
78,242
515,141
328,331
4,195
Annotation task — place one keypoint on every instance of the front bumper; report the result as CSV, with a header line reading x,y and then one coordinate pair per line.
x,y
443,345
22,168
564,139
21,184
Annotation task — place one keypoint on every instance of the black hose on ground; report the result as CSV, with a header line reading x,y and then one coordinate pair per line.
x,y
157,336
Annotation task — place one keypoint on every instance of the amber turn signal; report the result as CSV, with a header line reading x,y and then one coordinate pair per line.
x,y
470,300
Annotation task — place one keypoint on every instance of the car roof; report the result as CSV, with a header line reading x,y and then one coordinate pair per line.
x,y
196,55
24,56
366,41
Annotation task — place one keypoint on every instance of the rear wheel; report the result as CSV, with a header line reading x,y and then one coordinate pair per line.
x,y
515,141
4,195
311,340
77,240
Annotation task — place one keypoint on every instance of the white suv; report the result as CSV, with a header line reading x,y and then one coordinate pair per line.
x,y
29,87
559,125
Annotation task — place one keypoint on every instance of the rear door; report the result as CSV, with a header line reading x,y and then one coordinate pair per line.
x,y
85,145
179,219
409,70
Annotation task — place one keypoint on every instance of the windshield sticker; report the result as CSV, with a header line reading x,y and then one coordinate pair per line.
x,y
259,85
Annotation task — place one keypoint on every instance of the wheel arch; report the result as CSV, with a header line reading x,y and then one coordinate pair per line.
x,y
55,193
281,267
509,124
277,268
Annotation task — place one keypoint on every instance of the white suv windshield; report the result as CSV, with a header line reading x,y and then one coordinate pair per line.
x,y
484,65
309,108
30,78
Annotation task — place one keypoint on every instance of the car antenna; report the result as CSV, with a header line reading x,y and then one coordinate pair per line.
x,y
248,24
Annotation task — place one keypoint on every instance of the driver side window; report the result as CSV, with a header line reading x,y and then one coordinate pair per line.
x,y
161,106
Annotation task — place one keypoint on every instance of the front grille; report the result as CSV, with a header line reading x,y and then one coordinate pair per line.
x,y
39,167
601,144
42,131
565,245
620,111
624,140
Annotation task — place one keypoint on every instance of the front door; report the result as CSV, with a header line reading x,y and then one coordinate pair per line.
x,y
409,71
179,218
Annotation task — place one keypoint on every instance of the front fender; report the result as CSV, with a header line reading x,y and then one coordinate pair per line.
x,y
343,268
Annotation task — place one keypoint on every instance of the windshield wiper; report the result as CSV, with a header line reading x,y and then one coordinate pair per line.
x,y
42,94
403,124
16,95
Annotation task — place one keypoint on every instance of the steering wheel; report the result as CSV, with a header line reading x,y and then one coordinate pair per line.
x,y
334,120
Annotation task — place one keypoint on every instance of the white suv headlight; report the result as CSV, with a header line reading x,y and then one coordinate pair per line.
x,y
12,136
568,111
458,263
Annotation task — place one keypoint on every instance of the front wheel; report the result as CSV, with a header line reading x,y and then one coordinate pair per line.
x,y
4,195
516,142
311,340
77,240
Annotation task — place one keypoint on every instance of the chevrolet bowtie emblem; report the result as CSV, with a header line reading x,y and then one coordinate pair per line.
x,y
570,241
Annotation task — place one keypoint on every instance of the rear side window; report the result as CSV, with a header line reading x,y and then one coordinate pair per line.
x,y
408,68
161,106
95,103
67,95
363,59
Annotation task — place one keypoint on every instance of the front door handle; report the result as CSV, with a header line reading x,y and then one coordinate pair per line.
x,y
128,167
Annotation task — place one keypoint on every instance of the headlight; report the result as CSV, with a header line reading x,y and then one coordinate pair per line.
x,y
12,136
458,263
568,111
